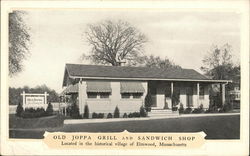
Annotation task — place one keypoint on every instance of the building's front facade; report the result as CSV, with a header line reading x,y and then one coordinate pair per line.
x,y
102,88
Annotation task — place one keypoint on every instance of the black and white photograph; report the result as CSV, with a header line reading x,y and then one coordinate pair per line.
x,y
112,70
174,71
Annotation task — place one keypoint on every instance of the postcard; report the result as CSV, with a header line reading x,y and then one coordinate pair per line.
x,y
125,77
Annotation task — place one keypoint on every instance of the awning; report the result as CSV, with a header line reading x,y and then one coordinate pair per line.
x,y
132,87
98,86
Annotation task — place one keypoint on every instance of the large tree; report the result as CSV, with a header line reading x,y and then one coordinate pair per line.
x,y
218,65
18,41
156,61
218,62
113,42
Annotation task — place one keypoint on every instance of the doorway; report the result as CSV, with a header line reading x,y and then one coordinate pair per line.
x,y
189,93
152,89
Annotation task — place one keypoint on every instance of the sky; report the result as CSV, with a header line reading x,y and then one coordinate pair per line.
x,y
57,38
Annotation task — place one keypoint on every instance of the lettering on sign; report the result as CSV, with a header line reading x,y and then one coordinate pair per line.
x,y
35,100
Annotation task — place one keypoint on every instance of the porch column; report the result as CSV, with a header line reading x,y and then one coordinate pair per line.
x,y
45,97
198,94
172,92
79,96
223,94
24,104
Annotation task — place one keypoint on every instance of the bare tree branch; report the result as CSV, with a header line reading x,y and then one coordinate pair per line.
x,y
114,41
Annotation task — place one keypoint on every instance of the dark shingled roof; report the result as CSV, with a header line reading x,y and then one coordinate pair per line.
x,y
80,70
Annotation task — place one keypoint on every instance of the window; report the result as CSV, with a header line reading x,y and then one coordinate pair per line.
x,y
137,95
92,95
125,95
104,95
201,93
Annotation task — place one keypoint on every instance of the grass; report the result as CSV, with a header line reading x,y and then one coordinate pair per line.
x,y
43,122
216,127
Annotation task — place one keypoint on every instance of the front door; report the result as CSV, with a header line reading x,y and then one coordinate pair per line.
x,y
189,93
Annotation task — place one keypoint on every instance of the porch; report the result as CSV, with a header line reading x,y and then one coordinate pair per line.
x,y
169,95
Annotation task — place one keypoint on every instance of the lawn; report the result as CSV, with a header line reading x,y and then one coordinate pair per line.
x,y
216,127
43,122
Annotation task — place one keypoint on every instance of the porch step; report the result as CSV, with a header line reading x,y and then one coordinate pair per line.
x,y
162,112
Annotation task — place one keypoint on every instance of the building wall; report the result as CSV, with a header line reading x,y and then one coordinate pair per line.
x,y
168,102
108,105
205,101
183,96
195,96
133,105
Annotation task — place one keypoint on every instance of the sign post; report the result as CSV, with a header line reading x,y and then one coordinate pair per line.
x,y
34,100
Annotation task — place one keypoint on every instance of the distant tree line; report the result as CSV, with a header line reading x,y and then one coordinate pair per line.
x,y
15,94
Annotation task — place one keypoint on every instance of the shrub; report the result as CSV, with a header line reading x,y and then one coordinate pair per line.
x,y
148,109
116,112
148,102
198,110
125,115
181,109
130,115
143,112
19,110
30,110
68,110
100,115
86,112
109,115
94,115
49,109
221,110
174,108
212,109
33,113
227,107
136,114
187,111
41,112
75,111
